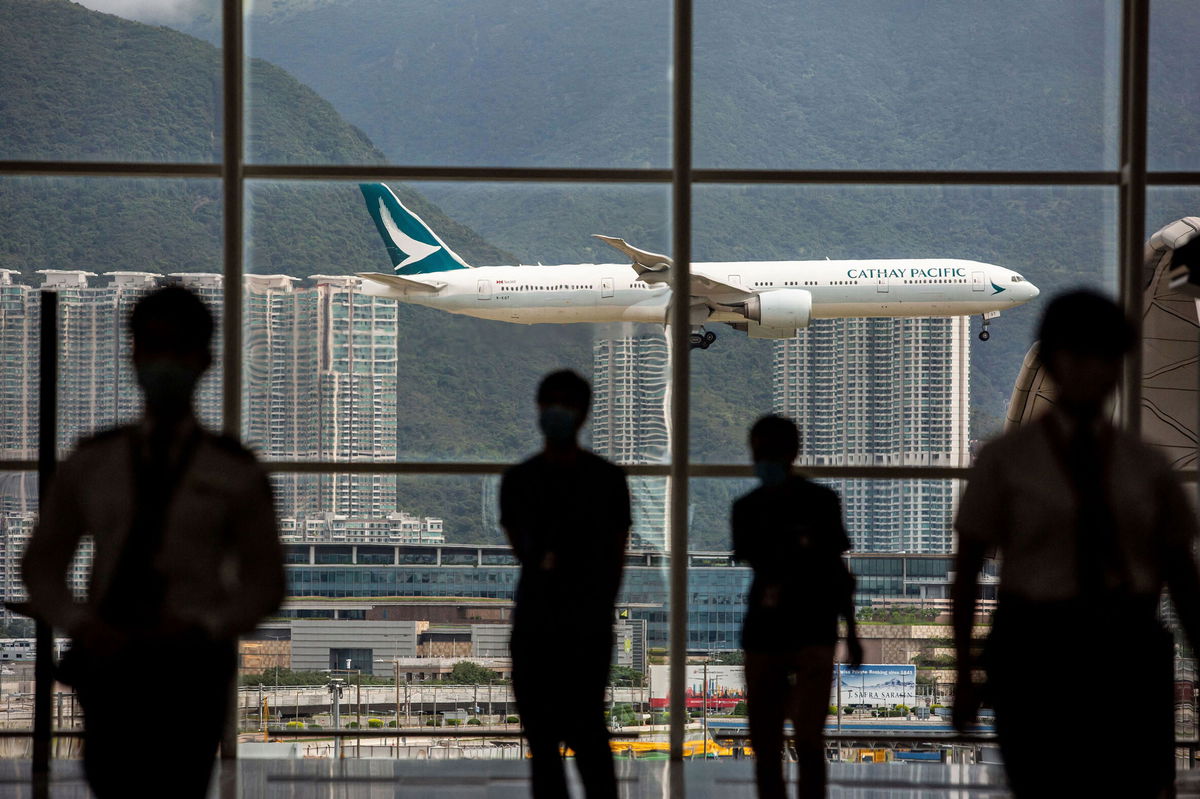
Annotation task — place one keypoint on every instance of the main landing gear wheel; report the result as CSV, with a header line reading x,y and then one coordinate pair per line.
x,y
984,335
701,340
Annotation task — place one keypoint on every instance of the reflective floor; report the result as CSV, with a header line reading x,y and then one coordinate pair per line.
x,y
377,779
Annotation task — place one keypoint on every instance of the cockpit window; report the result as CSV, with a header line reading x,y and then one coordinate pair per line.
x,y
1017,278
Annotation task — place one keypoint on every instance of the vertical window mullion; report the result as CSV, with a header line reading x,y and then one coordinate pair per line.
x,y
679,316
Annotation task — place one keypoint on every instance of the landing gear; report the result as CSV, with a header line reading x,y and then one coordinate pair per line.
x,y
984,335
701,338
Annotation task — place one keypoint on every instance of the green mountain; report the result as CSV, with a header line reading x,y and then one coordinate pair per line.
x,y
75,83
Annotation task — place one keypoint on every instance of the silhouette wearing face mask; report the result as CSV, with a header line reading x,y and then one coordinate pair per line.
x,y
790,531
186,558
1090,525
566,513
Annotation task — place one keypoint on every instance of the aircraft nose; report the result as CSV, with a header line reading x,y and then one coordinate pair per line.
x,y
1033,290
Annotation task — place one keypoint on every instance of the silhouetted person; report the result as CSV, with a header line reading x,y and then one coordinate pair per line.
x,y
186,558
1090,524
566,514
790,531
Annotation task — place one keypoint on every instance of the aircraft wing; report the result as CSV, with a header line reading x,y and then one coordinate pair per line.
x,y
655,268
403,283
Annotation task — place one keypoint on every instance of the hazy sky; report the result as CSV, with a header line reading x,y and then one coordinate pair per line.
x,y
154,10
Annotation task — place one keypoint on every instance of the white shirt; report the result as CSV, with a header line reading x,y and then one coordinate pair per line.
x,y
1020,502
220,555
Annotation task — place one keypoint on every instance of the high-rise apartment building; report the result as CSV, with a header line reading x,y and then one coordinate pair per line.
x,y
320,383
320,374
19,319
882,392
15,530
631,376
96,384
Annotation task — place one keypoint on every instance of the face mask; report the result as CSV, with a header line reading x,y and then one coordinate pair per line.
x,y
770,472
558,424
168,385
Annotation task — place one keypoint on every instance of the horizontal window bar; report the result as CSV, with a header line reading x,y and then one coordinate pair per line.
x,y
907,177
113,169
592,175
501,173
638,470
695,470
468,732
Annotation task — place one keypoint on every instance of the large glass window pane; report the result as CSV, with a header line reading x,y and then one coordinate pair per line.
x,y
876,85
85,85
99,244
492,83
422,588
905,390
1174,109
444,365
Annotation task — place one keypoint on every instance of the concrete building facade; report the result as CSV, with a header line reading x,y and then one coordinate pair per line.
x,y
883,392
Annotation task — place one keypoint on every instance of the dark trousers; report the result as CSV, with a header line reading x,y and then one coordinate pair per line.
x,y
795,686
1100,668
134,745
559,685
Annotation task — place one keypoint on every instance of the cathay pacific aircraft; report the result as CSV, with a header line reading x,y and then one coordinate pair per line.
x,y
767,299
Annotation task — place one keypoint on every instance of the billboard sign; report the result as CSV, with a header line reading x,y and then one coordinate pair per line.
x,y
726,686
875,685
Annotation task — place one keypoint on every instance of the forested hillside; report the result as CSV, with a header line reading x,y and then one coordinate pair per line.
x,y
466,385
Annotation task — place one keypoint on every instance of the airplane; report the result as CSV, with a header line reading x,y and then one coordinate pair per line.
x,y
765,299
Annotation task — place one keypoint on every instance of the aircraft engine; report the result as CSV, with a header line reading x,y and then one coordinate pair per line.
x,y
783,308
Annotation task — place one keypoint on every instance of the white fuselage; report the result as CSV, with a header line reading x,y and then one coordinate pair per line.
x,y
616,293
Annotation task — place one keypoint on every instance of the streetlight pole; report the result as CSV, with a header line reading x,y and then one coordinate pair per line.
x,y
838,676
335,693
704,712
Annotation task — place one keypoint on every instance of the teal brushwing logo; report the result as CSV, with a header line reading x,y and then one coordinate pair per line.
x,y
998,289
412,246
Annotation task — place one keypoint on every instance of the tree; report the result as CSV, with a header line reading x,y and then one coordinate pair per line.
x,y
467,673
623,715
18,628
735,657
626,677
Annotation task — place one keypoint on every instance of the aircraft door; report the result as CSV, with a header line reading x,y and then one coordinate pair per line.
x,y
978,281
606,287
735,280
882,285
485,290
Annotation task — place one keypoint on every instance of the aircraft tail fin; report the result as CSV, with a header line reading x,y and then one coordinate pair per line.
x,y
413,247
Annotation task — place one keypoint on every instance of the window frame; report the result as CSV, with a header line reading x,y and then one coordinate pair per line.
x,y
1130,178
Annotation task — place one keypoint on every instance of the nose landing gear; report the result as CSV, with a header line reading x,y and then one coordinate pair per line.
x,y
984,334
